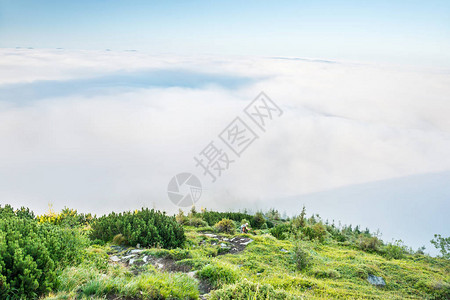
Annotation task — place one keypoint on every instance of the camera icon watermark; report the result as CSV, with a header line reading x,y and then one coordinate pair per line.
x,y
184,189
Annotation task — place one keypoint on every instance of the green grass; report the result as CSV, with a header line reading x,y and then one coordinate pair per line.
x,y
261,271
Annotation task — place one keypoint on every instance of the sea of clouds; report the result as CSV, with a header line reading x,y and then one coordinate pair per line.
x,y
104,130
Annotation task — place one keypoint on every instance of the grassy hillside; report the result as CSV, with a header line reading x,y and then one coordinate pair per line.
x,y
299,258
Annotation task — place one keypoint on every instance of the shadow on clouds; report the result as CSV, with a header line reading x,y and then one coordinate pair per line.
x,y
42,89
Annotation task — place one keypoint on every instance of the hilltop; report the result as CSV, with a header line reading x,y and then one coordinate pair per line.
x,y
146,254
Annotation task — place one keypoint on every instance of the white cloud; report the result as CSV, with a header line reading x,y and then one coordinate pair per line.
x,y
99,147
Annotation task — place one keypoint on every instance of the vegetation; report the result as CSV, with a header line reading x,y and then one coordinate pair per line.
x,y
226,226
69,255
30,253
148,228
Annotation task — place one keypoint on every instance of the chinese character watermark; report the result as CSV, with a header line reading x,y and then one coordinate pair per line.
x,y
185,189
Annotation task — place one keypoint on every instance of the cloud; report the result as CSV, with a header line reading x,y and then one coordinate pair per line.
x,y
102,131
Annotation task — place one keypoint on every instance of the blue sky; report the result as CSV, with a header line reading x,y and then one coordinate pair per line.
x,y
411,32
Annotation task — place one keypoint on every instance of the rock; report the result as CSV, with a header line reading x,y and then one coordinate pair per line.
x,y
160,266
284,250
114,258
131,261
136,251
223,245
138,246
247,242
192,274
210,235
128,257
145,258
225,239
376,281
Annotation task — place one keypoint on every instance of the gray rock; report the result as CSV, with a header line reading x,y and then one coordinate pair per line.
x,y
131,261
128,257
114,258
192,274
284,250
145,258
223,245
375,280
247,242
136,251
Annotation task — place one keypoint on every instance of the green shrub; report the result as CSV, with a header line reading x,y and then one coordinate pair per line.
x,y
195,221
280,231
369,244
67,217
212,217
22,213
258,220
327,273
395,250
226,226
145,227
30,254
301,257
119,239
249,290
219,274
316,231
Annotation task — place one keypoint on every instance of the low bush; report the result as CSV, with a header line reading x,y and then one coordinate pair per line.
x,y
226,226
315,232
369,244
301,257
280,231
325,273
67,217
395,250
146,227
219,274
119,239
31,252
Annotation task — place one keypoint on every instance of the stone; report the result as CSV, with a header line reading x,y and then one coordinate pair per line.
x,y
136,251
145,258
376,280
284,250
114,258
131,261
128,256
247,242
192,274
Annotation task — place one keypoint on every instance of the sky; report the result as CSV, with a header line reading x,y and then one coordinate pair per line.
x,y
405,32
103,102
